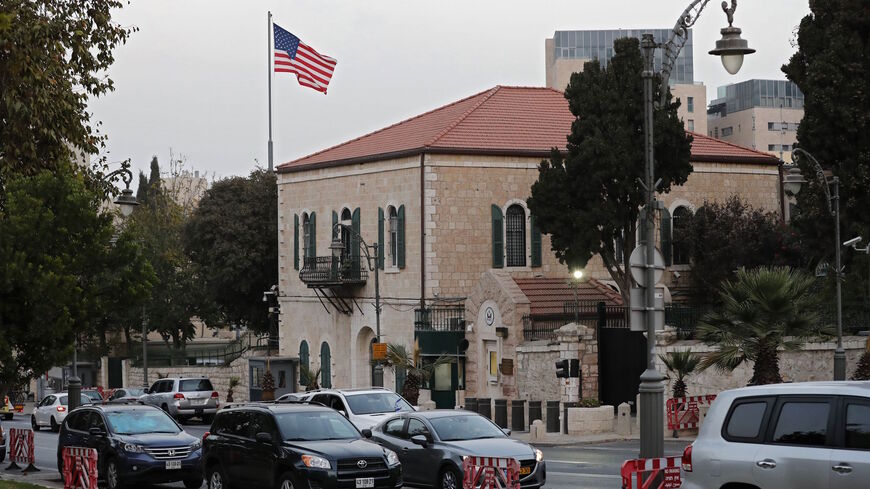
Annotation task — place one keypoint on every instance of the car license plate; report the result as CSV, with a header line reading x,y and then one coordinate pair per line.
x,y
198,401
173,464
365,482
525,470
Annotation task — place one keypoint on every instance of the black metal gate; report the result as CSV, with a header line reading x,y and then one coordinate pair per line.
x,y
116,373
621,360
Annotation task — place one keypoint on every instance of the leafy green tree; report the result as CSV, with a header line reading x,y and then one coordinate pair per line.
x,y
588,200
831,67
722,237
54,55
61,272
763,310
233,238
416,370
681,363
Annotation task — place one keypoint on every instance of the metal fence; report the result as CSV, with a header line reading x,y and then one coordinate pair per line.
x,y
198,356
590,314
331,269
440,318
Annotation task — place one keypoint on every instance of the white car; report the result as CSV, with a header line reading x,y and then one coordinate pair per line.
x,y
812,435
52,411
364,408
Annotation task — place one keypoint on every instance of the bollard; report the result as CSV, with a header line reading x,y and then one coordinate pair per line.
x,y
518,415
535,411
471,404
484,407
623,419
501,413
552,416
74,393
537,431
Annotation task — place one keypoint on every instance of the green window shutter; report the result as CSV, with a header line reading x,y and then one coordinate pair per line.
x,y
536,243
334,222
641,227
400,237
303,362
325,366
312,235
665,242
497,237
296,241
354,247
381,243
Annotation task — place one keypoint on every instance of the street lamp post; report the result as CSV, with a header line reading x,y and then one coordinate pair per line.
x,y
732,49
577,275
831,186
337,246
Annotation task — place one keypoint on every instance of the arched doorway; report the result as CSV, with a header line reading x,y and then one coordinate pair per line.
x,y
363,358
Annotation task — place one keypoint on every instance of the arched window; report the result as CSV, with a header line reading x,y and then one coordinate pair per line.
x,y
680,226
515,236
394,230
346,219
304,364
325,366
306,235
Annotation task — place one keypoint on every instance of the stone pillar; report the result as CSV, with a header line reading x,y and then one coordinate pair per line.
x,y
623,419
569,349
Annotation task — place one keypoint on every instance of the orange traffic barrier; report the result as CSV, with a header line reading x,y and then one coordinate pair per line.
x,y
79,468
490,473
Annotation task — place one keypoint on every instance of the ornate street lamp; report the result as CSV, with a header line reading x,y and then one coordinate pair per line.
x,y
731,48
126,201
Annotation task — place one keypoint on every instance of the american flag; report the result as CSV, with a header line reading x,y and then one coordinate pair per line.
x,y
312,69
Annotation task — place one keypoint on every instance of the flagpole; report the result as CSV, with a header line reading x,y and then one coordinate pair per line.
x,y
269,74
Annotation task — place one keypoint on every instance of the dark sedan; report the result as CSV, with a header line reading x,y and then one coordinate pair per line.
x,y
431,444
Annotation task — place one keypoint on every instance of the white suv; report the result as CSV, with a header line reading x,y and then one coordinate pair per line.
x,y
813,435
363,407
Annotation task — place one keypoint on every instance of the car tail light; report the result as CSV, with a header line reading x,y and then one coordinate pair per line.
x,y
178,395
61,409
214,394
687,459
205,435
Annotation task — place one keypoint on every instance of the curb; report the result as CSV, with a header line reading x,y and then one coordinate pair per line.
x,y
48,479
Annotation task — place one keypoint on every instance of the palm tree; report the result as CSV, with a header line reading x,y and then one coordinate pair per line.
x,y
763,310
682,364
416,370
309,377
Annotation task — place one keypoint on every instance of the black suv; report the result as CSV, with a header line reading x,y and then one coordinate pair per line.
x,y
294,446
135,444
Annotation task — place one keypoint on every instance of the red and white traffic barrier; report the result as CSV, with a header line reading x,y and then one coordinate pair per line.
x,y
79,468
642,473
21,450
490,473
683,412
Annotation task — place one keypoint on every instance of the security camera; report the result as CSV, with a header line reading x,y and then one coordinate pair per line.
x,y
676,274
853,241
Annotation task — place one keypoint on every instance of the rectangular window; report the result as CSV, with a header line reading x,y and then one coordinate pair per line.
x,y
786,147
394,229
690,104
771,147
802,423
745,420
727,131
493,364
716,132
691,124
858,426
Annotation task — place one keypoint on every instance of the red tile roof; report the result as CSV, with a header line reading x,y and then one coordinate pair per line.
x,y
510,121
547,296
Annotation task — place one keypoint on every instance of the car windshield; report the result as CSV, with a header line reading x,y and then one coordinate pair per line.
x,y
377,402
194,385
137,422
456,428
315,425
134,392
64,400
95,395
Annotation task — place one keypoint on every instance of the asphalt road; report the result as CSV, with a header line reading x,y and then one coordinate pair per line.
x,y
594,466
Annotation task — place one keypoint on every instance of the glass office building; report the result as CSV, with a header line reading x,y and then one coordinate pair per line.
x,y
599,45
757,93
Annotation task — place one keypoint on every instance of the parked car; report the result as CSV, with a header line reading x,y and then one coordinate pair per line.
x,y
811,435
135,445
184,398
431,445
126,394
95,396
7,410
293,397
294,446
364,408
53,410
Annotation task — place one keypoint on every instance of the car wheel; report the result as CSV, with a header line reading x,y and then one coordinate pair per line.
x,y
207,418
113,475
33,423
449,478
9,417
54,426
288,481
2,455
193,483
215,478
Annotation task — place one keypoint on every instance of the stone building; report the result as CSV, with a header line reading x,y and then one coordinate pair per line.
x,y
444,195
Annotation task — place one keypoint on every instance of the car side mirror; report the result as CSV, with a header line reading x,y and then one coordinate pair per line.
x,y
367,433
95,431
146,390
506,431
419,440
264,437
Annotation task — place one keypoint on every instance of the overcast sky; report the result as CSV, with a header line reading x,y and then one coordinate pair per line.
x,y
194,78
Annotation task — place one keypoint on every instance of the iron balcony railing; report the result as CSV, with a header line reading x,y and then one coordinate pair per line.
x,y
332,270
447,318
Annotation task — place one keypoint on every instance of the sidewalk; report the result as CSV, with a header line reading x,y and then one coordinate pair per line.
x,y
45,477
556,439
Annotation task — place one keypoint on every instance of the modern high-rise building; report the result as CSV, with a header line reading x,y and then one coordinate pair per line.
x,y
759,114
567,51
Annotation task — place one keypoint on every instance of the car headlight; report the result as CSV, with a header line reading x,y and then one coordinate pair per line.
x,y
539,455
316,462
392,458
132,448
196,446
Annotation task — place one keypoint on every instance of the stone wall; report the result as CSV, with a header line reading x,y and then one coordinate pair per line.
x,y
814,362
533,359
219,376
590,421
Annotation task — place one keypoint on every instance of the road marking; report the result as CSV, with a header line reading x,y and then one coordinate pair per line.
x,y
576,462
589,476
